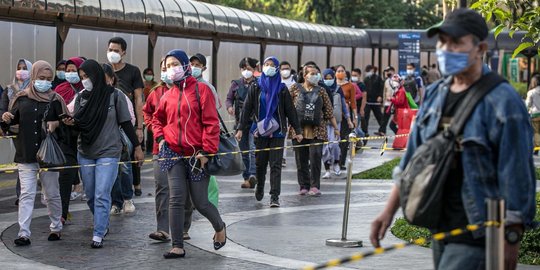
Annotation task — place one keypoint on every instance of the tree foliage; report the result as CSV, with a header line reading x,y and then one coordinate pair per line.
x,y
347,13
513,15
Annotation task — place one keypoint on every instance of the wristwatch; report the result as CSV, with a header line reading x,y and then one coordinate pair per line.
x,y
513,236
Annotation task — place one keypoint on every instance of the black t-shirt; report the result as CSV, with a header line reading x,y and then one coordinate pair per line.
x,y
129,79
453,213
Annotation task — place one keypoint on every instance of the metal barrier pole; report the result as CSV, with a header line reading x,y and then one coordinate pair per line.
x,y
343,241
495,235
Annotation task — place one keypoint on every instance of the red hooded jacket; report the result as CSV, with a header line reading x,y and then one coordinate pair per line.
x,y
186,127
150,107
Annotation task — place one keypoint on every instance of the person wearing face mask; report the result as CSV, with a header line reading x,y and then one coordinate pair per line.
x,y
60,75
414,84
68,91
21,80
388,94
270,104
495,136
36,109
235,102
347,125
397,101
149,81
198,66
99,112
186,124
130,82
285,72
374,89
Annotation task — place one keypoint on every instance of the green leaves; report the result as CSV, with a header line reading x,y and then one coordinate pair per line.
x,y
522,47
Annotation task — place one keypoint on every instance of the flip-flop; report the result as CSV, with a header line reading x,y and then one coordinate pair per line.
x,y
160,236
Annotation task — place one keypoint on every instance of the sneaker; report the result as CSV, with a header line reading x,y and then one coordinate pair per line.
x,y
74,195
337,170
326,175
252,181
303,192
129,207
83,197
115,210
314,192
284,163
259,193
274,202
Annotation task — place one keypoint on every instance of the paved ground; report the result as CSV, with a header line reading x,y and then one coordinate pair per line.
x,y
259,237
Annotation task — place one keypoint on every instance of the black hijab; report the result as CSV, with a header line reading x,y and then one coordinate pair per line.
x,y
92,116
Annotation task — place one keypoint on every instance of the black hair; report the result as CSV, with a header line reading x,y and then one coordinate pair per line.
x,y
348,75
357,70
368,68
284,63
411,64
434,65
340,65
83,58
248,61
110,72
119,40
148,69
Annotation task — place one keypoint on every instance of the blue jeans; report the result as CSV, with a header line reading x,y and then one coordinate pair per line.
x,y
247,143
98,182
123,186
453,256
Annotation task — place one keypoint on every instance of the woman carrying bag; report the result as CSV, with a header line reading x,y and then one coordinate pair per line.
x,y
186,124
30,108
99,112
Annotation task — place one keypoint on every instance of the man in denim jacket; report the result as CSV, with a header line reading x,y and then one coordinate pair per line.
x,y
496,159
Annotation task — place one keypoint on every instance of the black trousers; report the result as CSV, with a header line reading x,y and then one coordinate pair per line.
x,y
273,158
149,140
136,172
386,118
344,146
66,179
308,160
367,112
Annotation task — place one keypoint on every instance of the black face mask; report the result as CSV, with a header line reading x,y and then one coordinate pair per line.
x,y
389,75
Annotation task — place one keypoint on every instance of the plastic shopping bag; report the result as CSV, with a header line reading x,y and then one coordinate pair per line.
x,y
49,153
213,191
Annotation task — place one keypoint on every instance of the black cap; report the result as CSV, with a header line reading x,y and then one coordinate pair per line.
x,y
199,57
461,22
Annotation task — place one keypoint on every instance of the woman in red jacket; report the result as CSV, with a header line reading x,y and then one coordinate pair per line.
x,y
186,124
399,100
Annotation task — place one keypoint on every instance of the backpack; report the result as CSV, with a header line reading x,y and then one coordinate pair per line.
x,y
424,177
411,86
338,107
309,106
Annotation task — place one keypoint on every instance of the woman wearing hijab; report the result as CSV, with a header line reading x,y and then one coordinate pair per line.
x,y
315,111
60,75
350,93
68,91
186,124
270,103
331,152
99,112
29,108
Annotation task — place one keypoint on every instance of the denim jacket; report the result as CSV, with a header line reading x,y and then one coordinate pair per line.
x,y
497,157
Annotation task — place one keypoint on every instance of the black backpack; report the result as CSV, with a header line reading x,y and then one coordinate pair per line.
x,y
410,86
309,106
424,177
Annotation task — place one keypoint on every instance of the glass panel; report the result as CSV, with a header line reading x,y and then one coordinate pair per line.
x,y
268,26
234,21
133,10
173,14
297,31
154,12
258,27
88,8
38,4
246,23
312,32
112,9
62,6
306,35
273,23
287,33
331,37
281,33
320,34
206,19
220,20
190,14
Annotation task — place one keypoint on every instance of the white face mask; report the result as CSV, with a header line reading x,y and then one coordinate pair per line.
x,y
368,74
285,74
410,72
247,73
87,83
354,78
114,57
394,84
313,79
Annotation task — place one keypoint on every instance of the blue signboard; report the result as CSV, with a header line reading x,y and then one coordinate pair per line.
x,y
409,52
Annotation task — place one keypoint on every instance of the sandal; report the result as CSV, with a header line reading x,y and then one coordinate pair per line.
x,y
160,236
172,255
54,236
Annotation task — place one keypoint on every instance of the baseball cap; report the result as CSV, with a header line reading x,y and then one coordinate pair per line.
x,y
199,57
459,23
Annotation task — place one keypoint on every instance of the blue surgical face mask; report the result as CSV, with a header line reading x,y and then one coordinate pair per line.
x,y
329,82
196,71
269,71
42,85
72,77
61,74
452,63
164,78
319,78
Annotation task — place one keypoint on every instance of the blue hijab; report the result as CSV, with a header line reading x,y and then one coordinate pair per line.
x,y
184,60
328,71
271,87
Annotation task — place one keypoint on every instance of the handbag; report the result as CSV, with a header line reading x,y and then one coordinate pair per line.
x,y
424,177
49,153
273,125
224,164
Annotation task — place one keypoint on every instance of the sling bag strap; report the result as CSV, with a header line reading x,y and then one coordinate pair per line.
x,y
198,95
476,92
